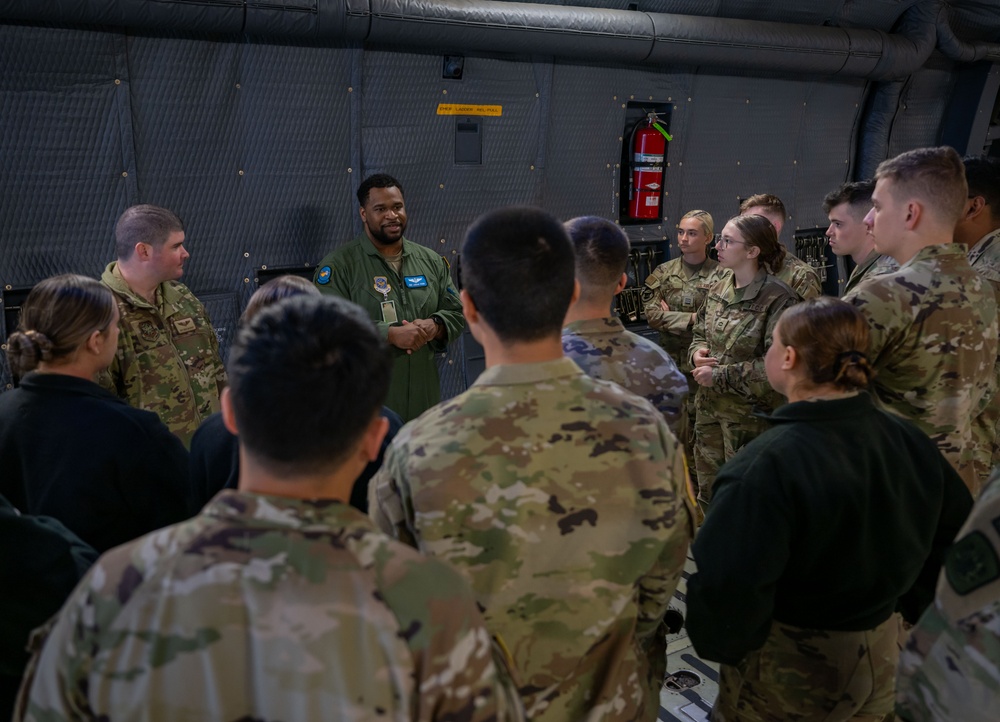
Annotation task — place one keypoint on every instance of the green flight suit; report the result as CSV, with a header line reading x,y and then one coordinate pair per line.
x,y
423,289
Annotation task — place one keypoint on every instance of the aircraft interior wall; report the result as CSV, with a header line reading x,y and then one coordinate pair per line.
x,y
259,146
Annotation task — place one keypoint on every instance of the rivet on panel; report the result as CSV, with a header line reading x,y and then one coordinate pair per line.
x,y
441,186
246,254
442,240
618,165
118,81
444,92
737,162
237,86
8,287
650,97
616,195
532,167
631,97
748,101
803,103
795,162
609,165
620,139
670,99
689,100
675,107
246,280
451,361
10,386
350,170
614,97
350,89
263,267
124,174
241,171
454,252
680,163
536,95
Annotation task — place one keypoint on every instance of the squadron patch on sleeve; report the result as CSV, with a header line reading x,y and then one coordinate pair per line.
x,y
323,277
971,563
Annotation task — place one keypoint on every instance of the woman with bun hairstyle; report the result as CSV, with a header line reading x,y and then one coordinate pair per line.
x,y
731,334
69,449
821,529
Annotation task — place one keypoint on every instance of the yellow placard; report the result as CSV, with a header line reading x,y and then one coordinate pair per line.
x,y
460,109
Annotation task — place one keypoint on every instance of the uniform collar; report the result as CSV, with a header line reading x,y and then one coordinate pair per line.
x,y
166,293
938,250
983,244
63,384
369,246
594,326
279,511
512,374
822,410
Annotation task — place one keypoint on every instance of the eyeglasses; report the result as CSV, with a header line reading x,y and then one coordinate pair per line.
x,y
727,242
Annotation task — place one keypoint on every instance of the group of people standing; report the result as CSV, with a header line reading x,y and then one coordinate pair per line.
x,y
514,553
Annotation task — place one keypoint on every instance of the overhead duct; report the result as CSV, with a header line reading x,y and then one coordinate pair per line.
x,y
578,33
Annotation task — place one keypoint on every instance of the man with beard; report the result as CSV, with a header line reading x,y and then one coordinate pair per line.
x,y
404,287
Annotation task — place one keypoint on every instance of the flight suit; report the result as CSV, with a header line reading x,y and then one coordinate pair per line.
x,y
359,273
735,326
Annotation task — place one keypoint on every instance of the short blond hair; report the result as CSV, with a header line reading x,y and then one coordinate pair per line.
x,y
935,176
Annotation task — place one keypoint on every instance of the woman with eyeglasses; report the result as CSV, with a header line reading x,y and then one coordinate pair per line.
x,y
673,294
68,448
731,334
834,518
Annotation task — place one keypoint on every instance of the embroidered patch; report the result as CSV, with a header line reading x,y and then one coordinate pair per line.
x,y
323,277
148,331
971,563
184,325
415,281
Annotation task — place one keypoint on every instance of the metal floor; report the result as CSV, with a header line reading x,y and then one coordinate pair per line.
x,y
692,684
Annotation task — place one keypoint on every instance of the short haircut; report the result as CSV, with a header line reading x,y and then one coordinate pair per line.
x,y
831,338
983,177
857,195
276,289
518,268
759,232
601,250
706,220
764,201
144,224
306,376
58,315
934,175
379,180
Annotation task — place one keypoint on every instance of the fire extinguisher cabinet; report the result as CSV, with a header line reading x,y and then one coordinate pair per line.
x,y
644,163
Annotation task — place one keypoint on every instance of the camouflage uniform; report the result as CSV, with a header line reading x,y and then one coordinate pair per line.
x,y
875,264
685,293
269,608
422,289
948,667
168,355
984,257
736,328
805,674
934,346
605,350
800,276
562,499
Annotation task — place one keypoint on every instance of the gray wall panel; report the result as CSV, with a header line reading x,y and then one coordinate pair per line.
x,y
921,109
61,159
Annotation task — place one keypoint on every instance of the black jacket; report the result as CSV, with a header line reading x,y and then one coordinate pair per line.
x,y
109,472
832,519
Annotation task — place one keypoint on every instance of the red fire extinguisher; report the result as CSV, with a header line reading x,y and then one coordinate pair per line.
x,y
649,145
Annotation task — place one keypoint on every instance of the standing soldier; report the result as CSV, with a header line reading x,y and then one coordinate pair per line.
x,y
796,273
597,341
672,296
406,290
168,354
846,208
948,668
979,230
559,496
934,321
732,333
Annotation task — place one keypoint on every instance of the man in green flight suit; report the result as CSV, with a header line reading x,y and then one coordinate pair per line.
x,y
404,287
